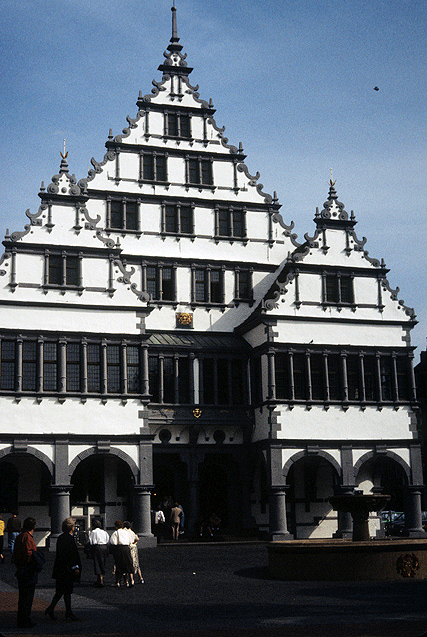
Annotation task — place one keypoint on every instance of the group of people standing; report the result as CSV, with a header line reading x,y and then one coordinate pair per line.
x,y
67,566
168,520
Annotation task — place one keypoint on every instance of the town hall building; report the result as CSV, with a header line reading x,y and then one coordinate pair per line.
x,y
164,333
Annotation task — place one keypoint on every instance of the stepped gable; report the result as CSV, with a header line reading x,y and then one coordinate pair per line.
x,y
333,217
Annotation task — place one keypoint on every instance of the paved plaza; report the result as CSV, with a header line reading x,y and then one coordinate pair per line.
x,y
220,590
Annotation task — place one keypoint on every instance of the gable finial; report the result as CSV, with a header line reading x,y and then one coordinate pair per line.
x,y
174,37
64,163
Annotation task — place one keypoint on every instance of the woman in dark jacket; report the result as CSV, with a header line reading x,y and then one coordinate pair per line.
x,y
66,569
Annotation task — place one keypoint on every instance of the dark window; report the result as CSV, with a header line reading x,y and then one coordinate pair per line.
x,y
256,381
231,223
281,362
63,270
334,376
201,289
178,219
222,373
243,285
215,286
178,125
124,215
237,382
403,372
370,372
200,171
300,377
317,377
168,380
93,368
160,283
386,378
50,367
133,369
154,167
208,381
353,377
339,289
29,365
7,377
113,369
183,380
73,367
153,377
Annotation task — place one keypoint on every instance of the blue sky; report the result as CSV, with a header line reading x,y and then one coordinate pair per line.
x,y
292,80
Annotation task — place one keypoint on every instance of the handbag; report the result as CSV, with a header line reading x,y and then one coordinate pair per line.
x,y
37,561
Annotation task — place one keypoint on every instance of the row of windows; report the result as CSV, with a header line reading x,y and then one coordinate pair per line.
x,y
154,167
159,281
177,218
350,377
95,368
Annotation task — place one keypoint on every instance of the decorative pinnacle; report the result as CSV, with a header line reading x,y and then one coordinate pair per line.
x,y
332,191
174,37
64,164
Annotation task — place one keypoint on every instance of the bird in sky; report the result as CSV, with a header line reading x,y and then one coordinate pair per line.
x,y
376,88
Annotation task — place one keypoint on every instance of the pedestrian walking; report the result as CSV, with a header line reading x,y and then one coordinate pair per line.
x,y
2,526
13,529
134,553
26,571
99,539
66,569
175,520
159,524
120,542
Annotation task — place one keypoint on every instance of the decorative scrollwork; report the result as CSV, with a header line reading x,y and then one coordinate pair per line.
x,y
91,223
126,280
109,243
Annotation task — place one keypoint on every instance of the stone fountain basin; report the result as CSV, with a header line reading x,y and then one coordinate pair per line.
x,y
344,560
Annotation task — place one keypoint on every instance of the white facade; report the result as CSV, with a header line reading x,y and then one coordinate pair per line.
x,y
155,342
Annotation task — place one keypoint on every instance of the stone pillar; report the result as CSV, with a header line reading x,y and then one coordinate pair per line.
x,y
345,520
278,525
142,515
413,515
59,510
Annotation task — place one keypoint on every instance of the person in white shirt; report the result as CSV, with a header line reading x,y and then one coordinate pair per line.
x,y
99,539
134,552
120,542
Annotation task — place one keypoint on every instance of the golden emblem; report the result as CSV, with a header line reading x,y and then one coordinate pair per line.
x,y
197,412
184,318
407,565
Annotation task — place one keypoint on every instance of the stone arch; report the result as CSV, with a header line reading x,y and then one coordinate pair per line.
x,y
32,451
304,454
372,455
92,451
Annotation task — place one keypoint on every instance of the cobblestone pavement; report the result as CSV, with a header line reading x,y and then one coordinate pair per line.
x,y
220,590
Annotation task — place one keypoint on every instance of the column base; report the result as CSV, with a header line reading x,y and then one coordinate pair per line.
x,y
147,541
414,533
281,537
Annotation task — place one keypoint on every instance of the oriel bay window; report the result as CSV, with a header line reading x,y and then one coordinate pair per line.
x,y
62,270
122,214
170,379
208,285
338,288
222,381
159,281
178,218
199,171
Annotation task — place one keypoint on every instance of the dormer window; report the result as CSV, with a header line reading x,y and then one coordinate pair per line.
x,y
154,167
122,214
199,171
178,125
338,288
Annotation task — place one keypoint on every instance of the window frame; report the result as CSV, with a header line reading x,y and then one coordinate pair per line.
x,y
154,157
177,208
179,117
63,261
159,280
124,201
207,271
333,287
230,211
201,163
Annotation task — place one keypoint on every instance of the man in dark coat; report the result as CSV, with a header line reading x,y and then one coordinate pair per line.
x,y
66,569
25,572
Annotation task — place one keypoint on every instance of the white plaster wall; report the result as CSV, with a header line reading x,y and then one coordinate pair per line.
x,y
335,423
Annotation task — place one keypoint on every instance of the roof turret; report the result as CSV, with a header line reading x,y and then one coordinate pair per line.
x,y
175,60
